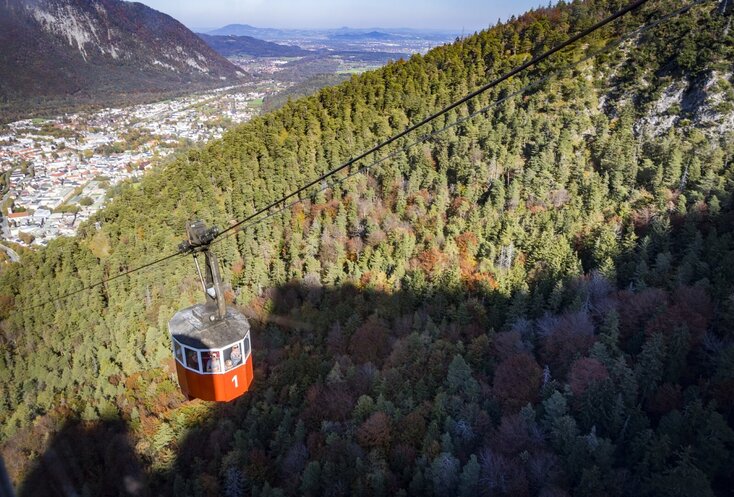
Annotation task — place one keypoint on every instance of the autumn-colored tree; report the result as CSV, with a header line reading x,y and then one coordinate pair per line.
x,y
412,427
333,402
517,382
369,343
584,373
375,432
637,308
508,344
570,337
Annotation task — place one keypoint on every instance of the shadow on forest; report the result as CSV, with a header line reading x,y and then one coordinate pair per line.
x,y
309,331
94,458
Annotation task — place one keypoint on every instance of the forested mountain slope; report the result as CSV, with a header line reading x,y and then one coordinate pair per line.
x,y
539,301
247,45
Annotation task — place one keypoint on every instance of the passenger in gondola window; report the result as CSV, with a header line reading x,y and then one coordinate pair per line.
x,y
213,364
235,354
192,359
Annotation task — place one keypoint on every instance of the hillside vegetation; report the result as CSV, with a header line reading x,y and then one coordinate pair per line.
x,y
539,301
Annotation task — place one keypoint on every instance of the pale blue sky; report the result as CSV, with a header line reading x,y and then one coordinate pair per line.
x,y
470,15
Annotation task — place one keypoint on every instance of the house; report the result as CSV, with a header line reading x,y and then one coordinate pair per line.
x,y
16,218
18,215
41,214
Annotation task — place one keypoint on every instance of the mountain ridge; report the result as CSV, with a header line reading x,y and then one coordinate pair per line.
x,y
66,49
229,45
272,34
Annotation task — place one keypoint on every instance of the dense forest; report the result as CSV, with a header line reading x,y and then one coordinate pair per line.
x,y
537,301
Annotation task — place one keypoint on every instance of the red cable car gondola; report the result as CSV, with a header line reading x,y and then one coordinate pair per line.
x,y
211,341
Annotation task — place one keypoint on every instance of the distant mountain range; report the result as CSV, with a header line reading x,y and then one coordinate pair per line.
x,y
372,35
352,34
247,30
246,45
91,49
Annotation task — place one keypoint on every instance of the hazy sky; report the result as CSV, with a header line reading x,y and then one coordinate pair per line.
x,y
470,15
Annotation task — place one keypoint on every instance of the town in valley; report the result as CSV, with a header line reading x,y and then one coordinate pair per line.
x,y
56,172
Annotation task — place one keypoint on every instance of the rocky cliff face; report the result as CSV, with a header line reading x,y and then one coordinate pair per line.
x,y
93,48
704,102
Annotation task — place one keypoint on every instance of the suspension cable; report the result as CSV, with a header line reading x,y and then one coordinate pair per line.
x,y
250,220
242,225
453,105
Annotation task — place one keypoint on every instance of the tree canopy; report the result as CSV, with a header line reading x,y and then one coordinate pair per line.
x,y
537,301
